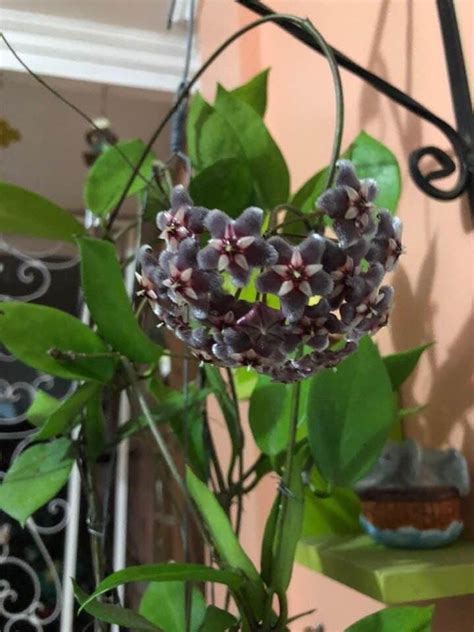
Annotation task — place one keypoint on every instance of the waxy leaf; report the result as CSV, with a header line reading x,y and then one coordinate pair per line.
x,y
110,613
109,304
94,426
110,173
42,407
350,412
217,620
23,212
62,419
372,159
254,92
199,111
224,539
306,196
400,365
396,619
30,331
288,526
167,573
163,604
35,477
269,415
227,185
265,159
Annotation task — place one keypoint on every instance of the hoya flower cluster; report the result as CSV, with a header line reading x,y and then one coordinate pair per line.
x,y
329,290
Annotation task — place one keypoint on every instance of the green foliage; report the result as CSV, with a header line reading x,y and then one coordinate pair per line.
x,y
396,619
245,382
94,426
254,92
351,410
30,332
372,159
400,365
63,417
306,196
110,173
110,613
23,212
233,129
226,184
288,526
164,605
266,555
334,515
228,548
34,478
217,620
272,180
166,573
42,407
109,304
269,416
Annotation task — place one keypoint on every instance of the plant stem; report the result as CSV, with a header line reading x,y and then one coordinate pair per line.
x,y
285,500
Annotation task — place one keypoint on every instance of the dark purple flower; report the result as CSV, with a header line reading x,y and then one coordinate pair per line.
x,y
297,275
182,220
350,204
368,315
180,275
317,324
224,311
236,245
266,329
386,246
343,264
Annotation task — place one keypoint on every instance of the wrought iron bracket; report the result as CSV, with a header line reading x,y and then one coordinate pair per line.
x,y
461,139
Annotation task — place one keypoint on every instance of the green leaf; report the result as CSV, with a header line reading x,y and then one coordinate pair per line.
x,y
42,407
413,410
23,212
35,477
269,416
400,365
199,111
226,543
266,555
164,605
305,198
110,173
338,514
109,304
217,620
288,526
111,613
29,331
254,92
167,573
265,159
223,537
94,427
396,619
351,410
226,184
372,159
62,419
245,381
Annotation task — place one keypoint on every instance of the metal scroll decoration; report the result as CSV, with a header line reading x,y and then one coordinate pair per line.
x,y
30,583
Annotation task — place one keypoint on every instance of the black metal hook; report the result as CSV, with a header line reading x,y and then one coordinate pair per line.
x,y
462,142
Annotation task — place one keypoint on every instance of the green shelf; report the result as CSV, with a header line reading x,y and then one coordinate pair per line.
x,y
392,575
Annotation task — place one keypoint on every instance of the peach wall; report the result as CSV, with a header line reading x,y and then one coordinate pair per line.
x,y
399,40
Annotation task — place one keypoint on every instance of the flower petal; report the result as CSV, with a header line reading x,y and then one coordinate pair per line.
x,y
283,249
180,197
261,253
312,248
321,283
334,202
208,258
268,283
346,175
216,222
293,305
249,222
